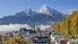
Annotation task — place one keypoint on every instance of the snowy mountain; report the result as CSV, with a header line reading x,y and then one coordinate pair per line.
x,y
49,11
45,15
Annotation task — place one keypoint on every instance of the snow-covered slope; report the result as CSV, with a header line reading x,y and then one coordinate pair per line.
x,y
49,11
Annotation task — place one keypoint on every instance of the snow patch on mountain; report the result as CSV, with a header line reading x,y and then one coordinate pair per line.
x,y
29,12
44,10
48,11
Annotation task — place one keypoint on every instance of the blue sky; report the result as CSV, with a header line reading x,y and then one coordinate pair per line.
x,y
10,7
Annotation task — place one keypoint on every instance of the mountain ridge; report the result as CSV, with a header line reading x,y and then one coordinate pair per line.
x,y
33,17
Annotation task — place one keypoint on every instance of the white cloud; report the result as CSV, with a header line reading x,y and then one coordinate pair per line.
x,y
43,27
13,27
16,27
69,11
